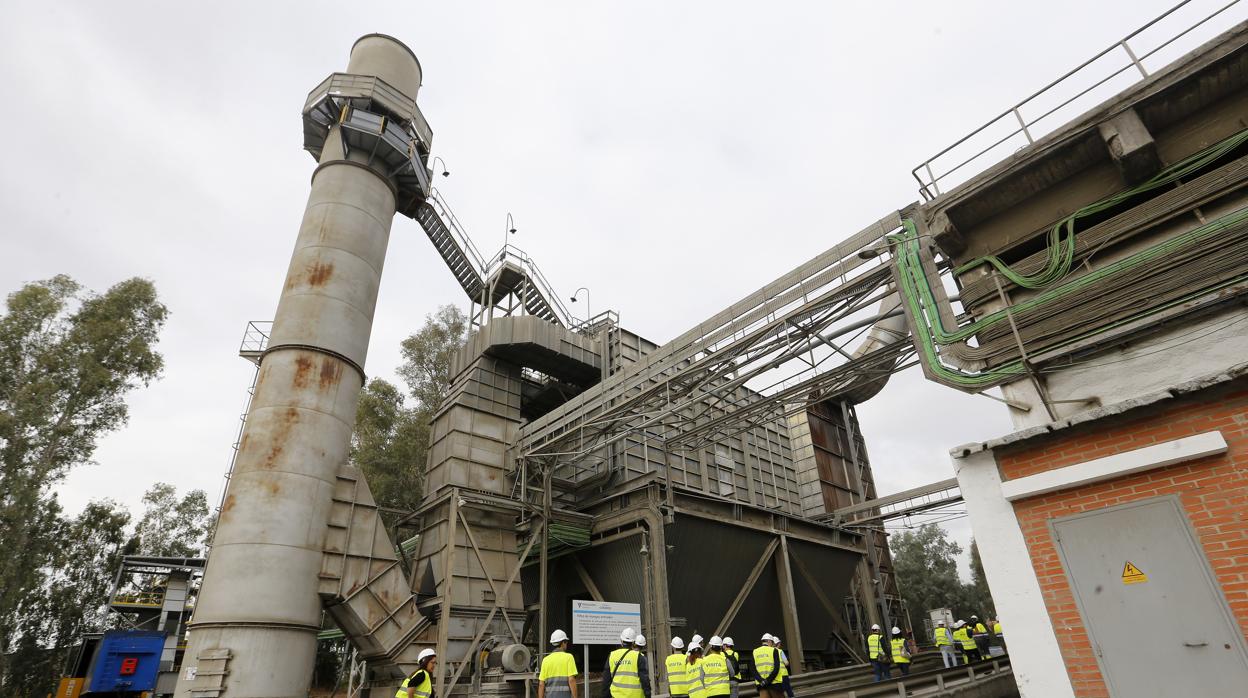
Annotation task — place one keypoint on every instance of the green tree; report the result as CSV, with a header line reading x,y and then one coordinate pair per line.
x,y
979,597
172,527
72,599
389,445
925,561
391,439
68,358
427,356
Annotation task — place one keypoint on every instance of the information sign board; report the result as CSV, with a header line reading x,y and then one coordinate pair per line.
x,y
601,622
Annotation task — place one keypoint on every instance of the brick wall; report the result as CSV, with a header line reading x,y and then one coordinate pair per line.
x,y
1213,491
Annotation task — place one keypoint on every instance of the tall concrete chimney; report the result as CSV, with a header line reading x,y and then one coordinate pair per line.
x,y
253,634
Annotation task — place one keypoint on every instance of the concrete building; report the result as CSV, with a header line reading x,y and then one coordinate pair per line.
x,y
1101,272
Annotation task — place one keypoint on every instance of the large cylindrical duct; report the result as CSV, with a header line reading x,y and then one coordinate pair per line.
x,y
254,630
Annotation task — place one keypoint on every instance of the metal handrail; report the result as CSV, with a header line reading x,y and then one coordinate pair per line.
x,y
929,185
443,209
256,337
544,286
142,598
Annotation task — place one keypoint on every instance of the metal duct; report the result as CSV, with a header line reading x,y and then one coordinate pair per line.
x,y
890,328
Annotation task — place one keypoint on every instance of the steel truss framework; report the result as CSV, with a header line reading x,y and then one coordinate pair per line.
x,y
772,354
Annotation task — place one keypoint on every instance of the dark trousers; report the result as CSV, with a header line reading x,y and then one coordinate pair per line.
x,y
972,654
905,668
881,670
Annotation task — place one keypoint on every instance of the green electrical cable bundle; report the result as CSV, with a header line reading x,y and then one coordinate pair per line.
x,y
916,289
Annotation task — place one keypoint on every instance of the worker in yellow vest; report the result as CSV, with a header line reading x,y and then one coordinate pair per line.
x,y
944,642
678,678
693,670
996,631
625,674
970,651
767,668
786,669
901,651
878,656
557,678
420,683
979,632
734,660
714,671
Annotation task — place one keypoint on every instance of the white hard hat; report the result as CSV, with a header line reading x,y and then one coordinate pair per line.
x,y
974,617
640,640
940,622
557,637
695,646
425,654
716,641
896,630
628,635
728,642
876,626
766,637
695,639
959,624
678,643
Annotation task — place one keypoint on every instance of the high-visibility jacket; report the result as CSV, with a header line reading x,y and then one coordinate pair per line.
x,y
964,638
996,628
694,670
713,675
765,659
784,666
942,637
899,644
875,646
980,629
625,674
678,678
558,668
735,667
418,685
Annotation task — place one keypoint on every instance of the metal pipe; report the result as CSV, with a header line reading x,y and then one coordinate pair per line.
x,y
890,327
255,624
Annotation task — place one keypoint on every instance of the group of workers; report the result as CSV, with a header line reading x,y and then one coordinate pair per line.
x,y
971,640
717,669
712,670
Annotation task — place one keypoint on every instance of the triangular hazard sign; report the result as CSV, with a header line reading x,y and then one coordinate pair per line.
x,y
1132,574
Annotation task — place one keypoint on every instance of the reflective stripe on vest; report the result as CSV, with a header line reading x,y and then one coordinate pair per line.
x,y
942,637
964,638
677,678
625,679
713,670
898,645
764,661
424,689
557,686
694,670
874,646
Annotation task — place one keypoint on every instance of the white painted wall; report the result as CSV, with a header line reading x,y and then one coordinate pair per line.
x,y
1034,654
1150,364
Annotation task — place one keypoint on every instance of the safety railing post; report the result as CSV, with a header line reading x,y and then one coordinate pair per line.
x,y
1131,54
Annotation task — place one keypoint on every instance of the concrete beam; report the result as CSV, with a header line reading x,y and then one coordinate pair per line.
x,y
1131,147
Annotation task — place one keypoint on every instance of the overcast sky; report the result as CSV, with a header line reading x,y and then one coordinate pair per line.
x,y
671,156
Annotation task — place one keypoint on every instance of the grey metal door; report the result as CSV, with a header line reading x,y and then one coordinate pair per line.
x,y
1158,623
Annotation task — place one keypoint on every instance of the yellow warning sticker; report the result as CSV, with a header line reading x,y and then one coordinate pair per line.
x,y
1133,575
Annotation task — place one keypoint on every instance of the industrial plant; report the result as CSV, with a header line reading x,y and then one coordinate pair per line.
x,y
1083,256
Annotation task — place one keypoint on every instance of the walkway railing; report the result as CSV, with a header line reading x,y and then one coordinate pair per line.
x,y
1107,73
